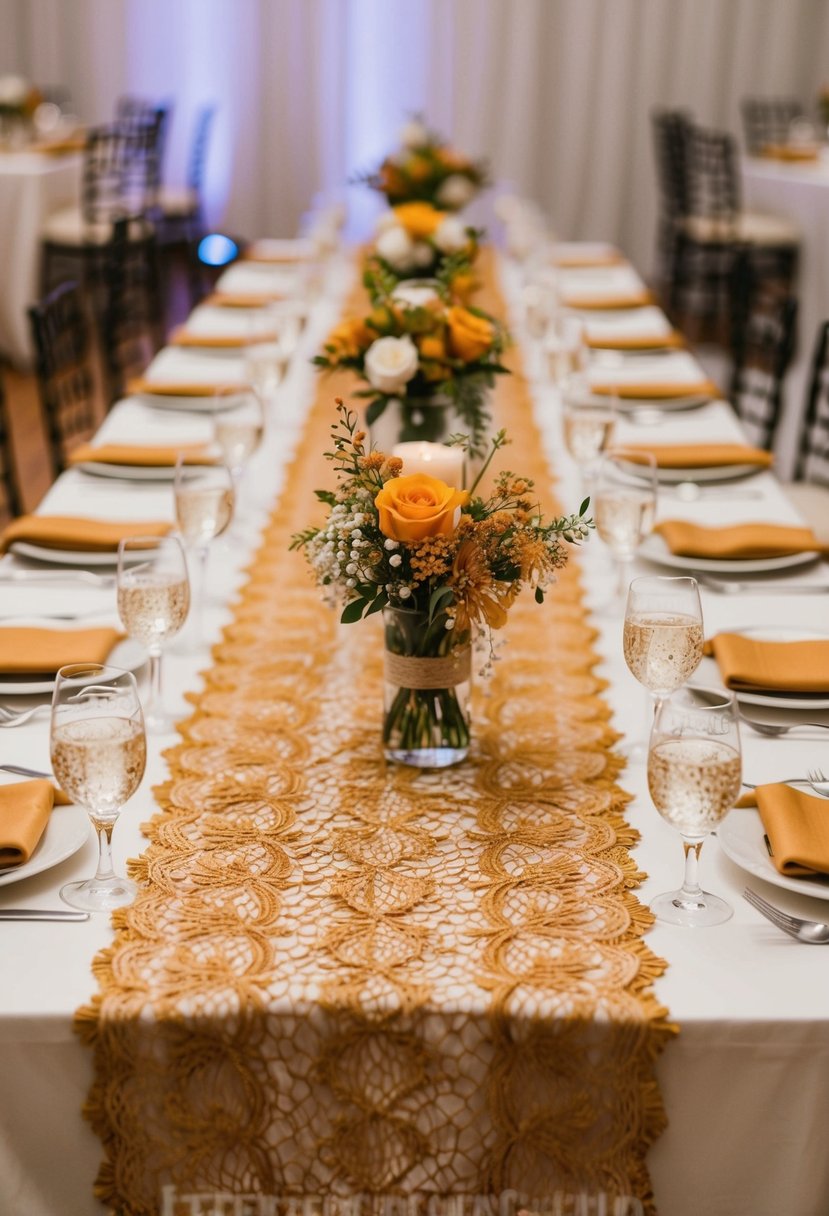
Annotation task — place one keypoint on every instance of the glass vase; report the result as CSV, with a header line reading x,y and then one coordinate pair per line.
x,y
409,419
427,675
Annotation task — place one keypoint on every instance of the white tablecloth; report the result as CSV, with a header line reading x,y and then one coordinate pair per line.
x,y
32,186
744,1083
799,191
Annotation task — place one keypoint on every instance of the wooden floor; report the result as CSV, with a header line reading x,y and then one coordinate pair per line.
x,y
25,420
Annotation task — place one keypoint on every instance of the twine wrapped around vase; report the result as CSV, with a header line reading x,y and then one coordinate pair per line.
x,y
410,671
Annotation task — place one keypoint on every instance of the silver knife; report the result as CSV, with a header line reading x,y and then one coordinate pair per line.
x,y
23,772
40,914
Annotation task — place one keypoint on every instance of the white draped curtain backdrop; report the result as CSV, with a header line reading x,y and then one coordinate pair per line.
x,y
555,93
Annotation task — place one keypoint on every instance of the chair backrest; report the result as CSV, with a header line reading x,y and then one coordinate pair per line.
x,y
766,120
671,129
762,344
10,501
198,148
131,323
813,455
64,370
121,170
713,182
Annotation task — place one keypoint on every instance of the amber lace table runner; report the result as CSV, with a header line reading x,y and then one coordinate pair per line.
x,y
345,979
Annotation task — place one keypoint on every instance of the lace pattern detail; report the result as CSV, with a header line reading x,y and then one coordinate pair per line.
x,y
342,977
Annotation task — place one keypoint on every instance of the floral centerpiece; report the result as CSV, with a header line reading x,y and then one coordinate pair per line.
x,y
823,107
432,358
425,168
418,240
444,565
18,102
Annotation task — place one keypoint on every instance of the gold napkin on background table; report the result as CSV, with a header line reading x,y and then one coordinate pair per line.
x,y
150,456
185,337
797,825
630,299
740,541
808,152
72,532
25,808
749,664
705,455
32,651
584,261
183,388
244,299
653,390
672,340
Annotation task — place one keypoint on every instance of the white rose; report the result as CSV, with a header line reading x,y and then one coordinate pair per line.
x,y
385,221
390,363
13,90
415,295
414,134
396,247
422,254
455,191
450,236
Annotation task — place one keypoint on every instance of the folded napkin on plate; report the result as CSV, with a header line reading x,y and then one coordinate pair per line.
x,y
33,651
573,259
741,541
244,299
631,299
74,532
186,337
183,388
655,390
25,808
705,455
139,455
805,152
673,340
797,826
753,665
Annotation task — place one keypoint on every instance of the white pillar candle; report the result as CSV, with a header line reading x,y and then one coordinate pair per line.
x,y
436,459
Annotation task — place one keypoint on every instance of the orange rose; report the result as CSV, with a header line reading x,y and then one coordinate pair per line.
x,y
351,337
470,336
463,285
418,168
420,220
433,356
416,506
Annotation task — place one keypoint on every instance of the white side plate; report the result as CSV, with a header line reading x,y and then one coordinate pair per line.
x,y
741,837
128,654
67,831
654,549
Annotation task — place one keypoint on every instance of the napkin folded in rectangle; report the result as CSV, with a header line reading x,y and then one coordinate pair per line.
x,y
656,390
749,664
25,808
631,299
29,651
244,299
141,455
183,388
70,532
186,337
797,826
672,340
737,542
705,455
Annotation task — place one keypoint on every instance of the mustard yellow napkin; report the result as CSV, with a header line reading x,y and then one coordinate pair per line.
x,y
674,339
185,337
797,826
584,261
176,388
741,541
244,299
33,651
653,390
791,152
752,665
150,456
75,532
705,455
25,808
631,299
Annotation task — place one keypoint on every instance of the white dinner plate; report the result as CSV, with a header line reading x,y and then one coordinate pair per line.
x,y
725,472
655,549
128,472
182,404
127,653
63,557
66,832
787,701
741,837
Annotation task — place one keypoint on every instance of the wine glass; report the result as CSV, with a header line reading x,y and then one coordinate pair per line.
x,y
588,423
662,637
694,774
204,501
238,429
99,750
624,506
564,348
153,602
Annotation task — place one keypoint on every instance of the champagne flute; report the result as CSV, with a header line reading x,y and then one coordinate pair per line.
x,y
588,424
204,501
564,348
238,430
624,503
694,774
153,602
99,751
662,637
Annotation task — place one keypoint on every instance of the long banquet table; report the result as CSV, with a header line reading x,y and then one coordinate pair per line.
x,y
744,1081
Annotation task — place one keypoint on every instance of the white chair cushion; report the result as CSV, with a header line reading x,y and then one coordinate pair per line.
x,y
813,504
68,227
750,227
177,201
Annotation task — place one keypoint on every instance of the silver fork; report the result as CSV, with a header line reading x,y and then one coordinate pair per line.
x,y
16,717
814,932
816,780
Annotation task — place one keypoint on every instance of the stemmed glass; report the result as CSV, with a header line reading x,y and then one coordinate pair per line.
x,y
694,774
624,505
662,638
99,750
238,429
204,507
588,424
564,348
153,602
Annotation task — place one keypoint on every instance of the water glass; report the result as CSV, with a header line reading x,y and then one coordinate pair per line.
x,y
624,506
